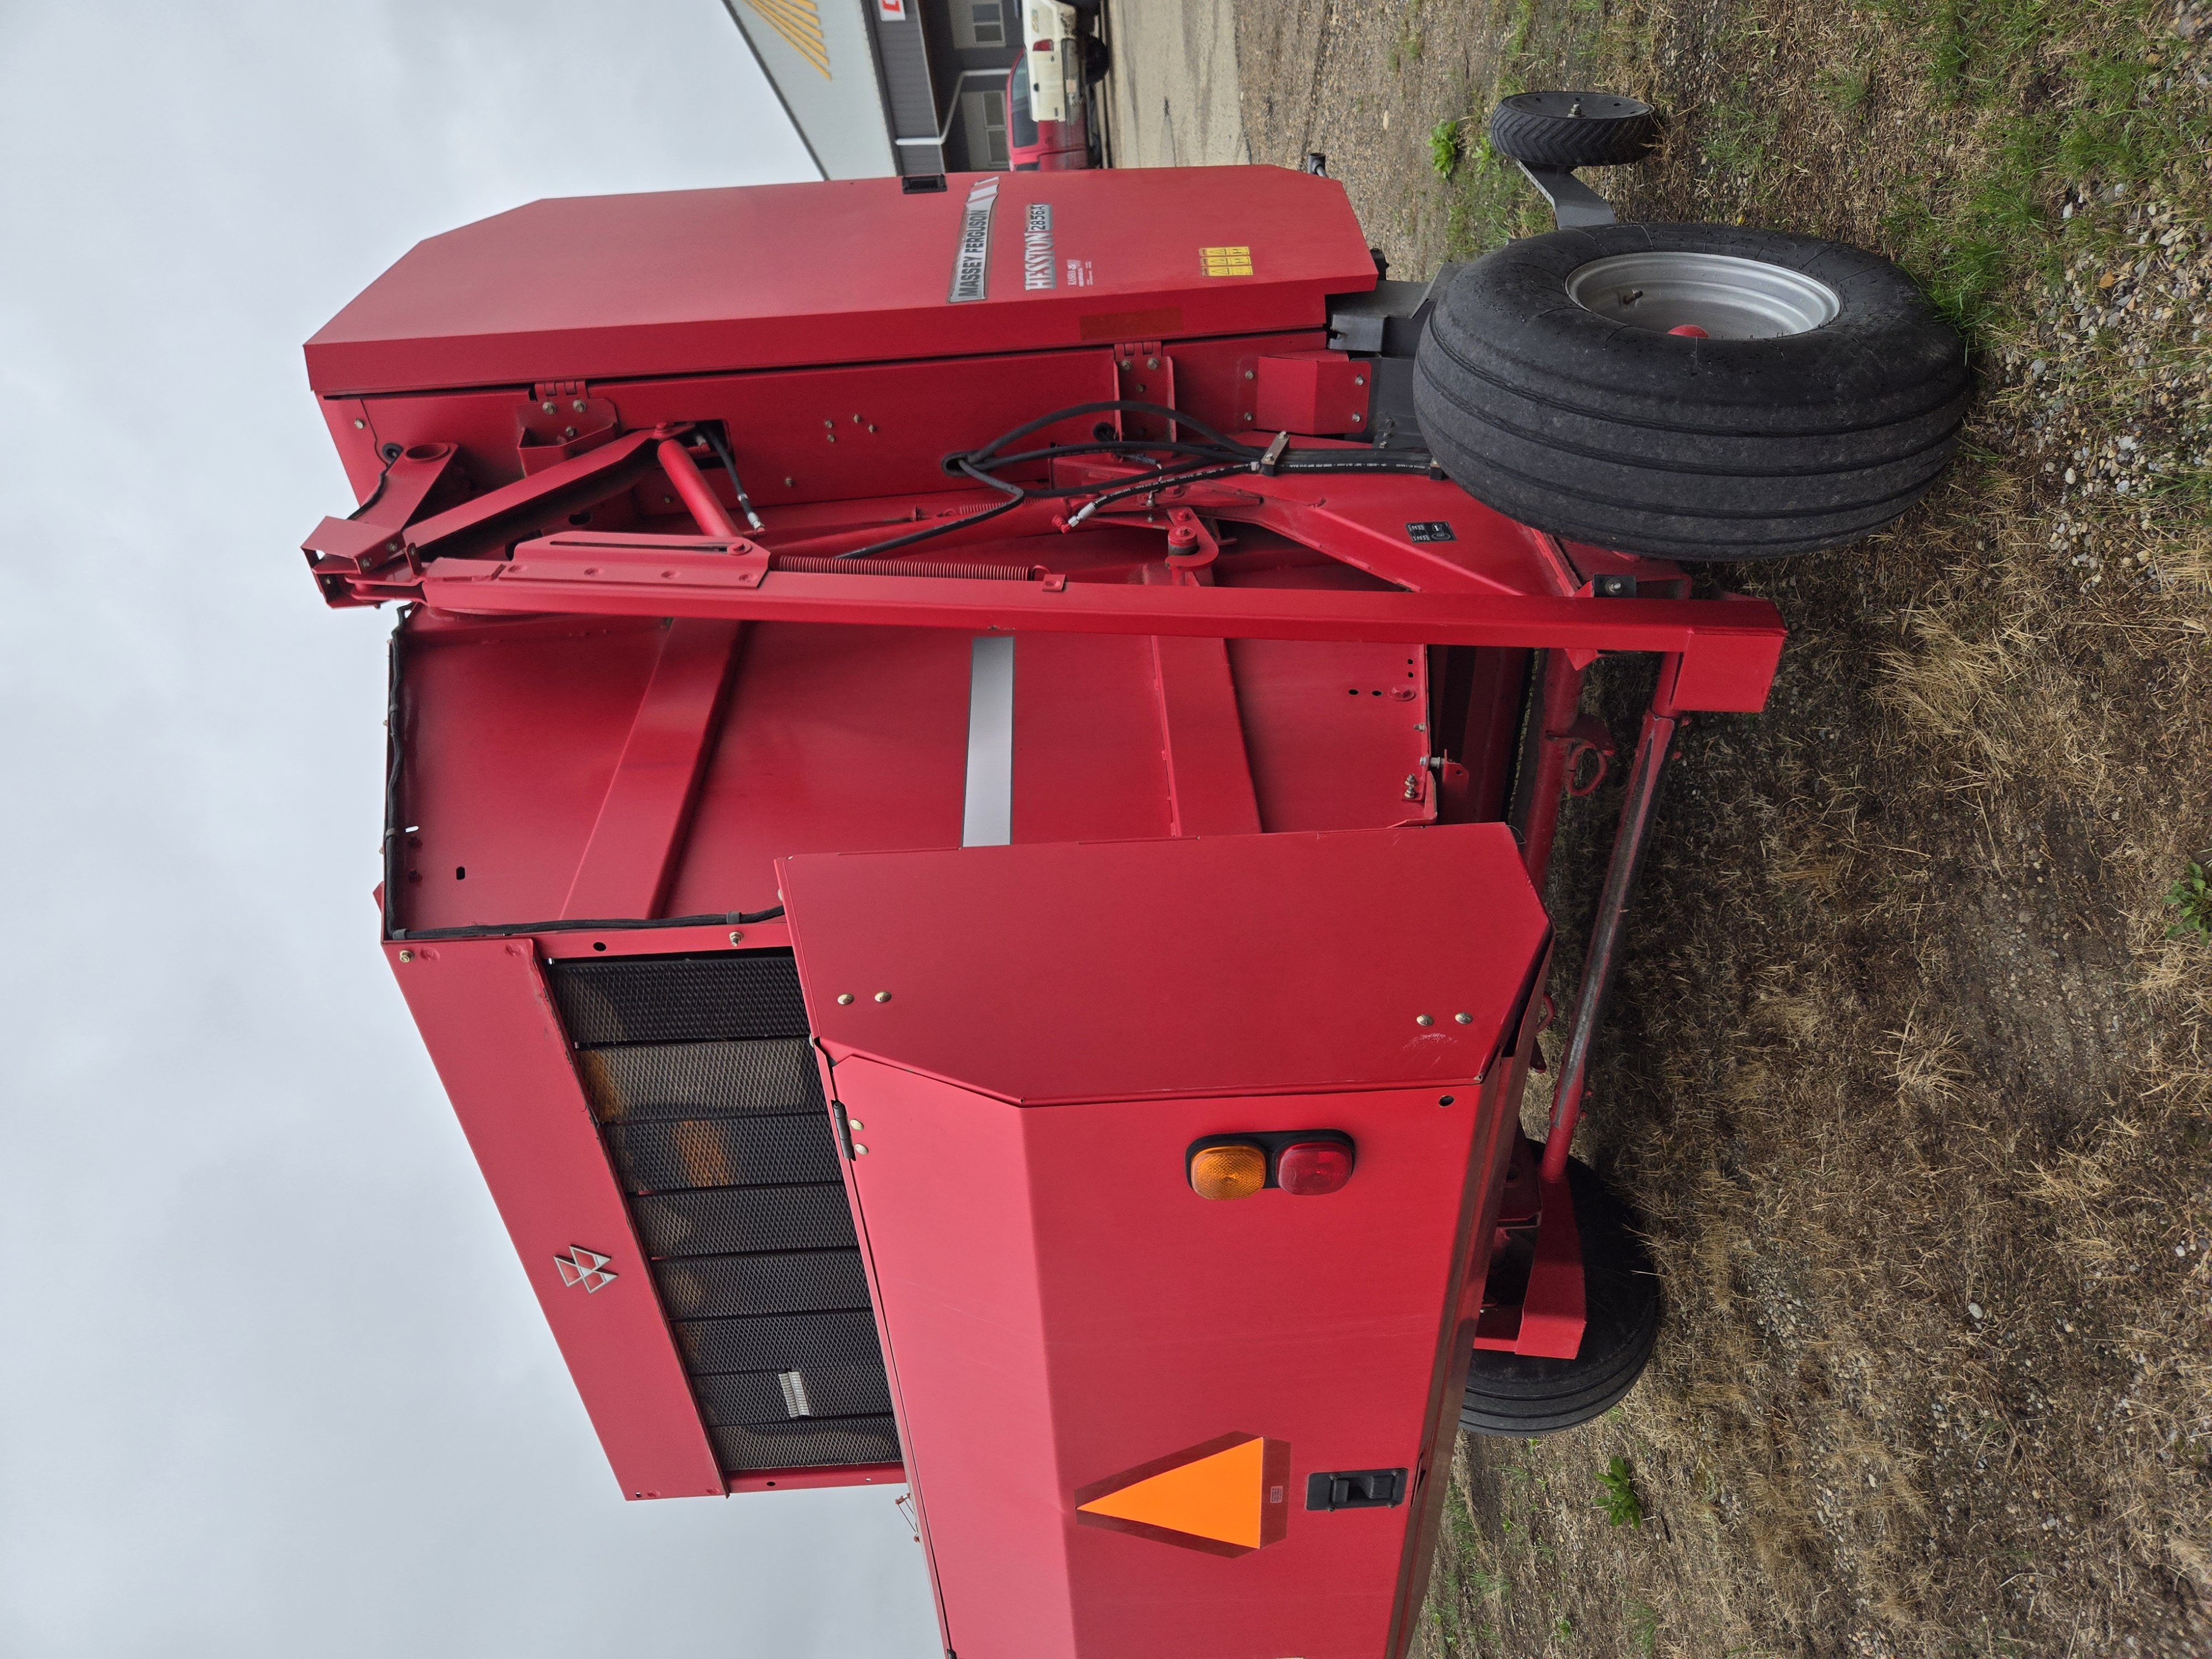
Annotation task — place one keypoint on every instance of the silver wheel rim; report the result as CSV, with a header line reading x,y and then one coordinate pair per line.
x,y
1729,298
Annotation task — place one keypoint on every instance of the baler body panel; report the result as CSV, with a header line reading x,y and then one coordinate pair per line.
x,y
1062,1021
857,270
840,1152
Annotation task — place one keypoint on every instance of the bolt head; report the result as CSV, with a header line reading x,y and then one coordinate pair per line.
x,y
844,997
1424,1019
1248,374
858,1151
407,955
855,1125
570,431
359,424
883,996
1151,362
547,406
736,934
1464,1020
578,405
1357,419
1359,380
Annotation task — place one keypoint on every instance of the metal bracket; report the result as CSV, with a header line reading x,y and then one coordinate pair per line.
x,y
1575,205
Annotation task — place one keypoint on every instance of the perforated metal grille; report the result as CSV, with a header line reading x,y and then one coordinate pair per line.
x,y
729,1151
740,995
701,1076
807,1443
731,1219
688,1079
778,1342
711,1286
741,1397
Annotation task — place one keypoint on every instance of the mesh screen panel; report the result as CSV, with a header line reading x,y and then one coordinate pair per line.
x,y
728,1152
704,1085
778,1342
710,1287
741,995
731,1219
739,1398
807,1444
689,1079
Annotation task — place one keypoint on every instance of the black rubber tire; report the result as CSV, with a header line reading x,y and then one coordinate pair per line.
x,y
1544,130
1097,60
1691,449
1515,1396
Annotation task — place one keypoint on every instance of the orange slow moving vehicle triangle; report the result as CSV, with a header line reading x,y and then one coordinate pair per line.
x,y
1227,1496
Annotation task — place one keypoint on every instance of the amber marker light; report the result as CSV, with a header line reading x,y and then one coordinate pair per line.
x,y
1237,1170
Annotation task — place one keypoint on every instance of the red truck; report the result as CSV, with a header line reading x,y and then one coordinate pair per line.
x,y
970,778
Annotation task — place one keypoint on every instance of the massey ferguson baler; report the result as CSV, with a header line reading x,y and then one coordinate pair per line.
x,y
969,777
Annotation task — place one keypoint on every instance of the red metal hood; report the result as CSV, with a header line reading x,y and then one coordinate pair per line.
x,y
1027,1040
595,287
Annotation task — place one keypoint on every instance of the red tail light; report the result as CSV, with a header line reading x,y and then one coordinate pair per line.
x,y
1307,1169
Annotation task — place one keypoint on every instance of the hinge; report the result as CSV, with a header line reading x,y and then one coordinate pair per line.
x,y
544,389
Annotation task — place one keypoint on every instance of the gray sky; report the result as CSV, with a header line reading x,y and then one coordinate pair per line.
x,y
271,1381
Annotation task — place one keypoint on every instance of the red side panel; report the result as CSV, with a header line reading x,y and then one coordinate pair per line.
x,y
487,1020
688,282
1061,1313
1229,963
1077,1311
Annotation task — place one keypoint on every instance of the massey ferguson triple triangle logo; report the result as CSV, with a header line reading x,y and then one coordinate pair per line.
x,y
585,1267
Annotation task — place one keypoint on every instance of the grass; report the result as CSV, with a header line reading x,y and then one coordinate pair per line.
x,y
1641,1623
1844,90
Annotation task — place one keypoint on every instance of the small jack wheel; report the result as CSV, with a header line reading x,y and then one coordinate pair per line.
x,y
1571,129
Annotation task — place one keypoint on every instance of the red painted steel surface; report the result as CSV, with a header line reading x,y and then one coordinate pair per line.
x,y
1242,868
1199,965
487,1020
529,738
1727,665
1078,1311
609,287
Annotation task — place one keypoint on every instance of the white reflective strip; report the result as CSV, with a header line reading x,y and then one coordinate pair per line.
x,y
987,818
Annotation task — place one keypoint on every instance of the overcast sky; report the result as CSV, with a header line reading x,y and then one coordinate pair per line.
x,y
272,1380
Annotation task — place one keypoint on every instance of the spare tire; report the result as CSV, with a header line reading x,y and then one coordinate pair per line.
x,y
1514,1395
1691,392
1572,128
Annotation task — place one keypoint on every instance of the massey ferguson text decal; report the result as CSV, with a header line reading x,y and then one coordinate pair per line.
x,y
1038,269
971,265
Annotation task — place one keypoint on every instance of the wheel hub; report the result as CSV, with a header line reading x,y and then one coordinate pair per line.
x,y
1729,298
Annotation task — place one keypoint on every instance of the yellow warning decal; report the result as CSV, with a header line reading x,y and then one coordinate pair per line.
x,y
1229,1496
1225,261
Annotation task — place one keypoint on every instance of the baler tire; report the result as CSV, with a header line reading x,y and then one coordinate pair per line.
x,y
1541,399
1518,1397
1536,127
